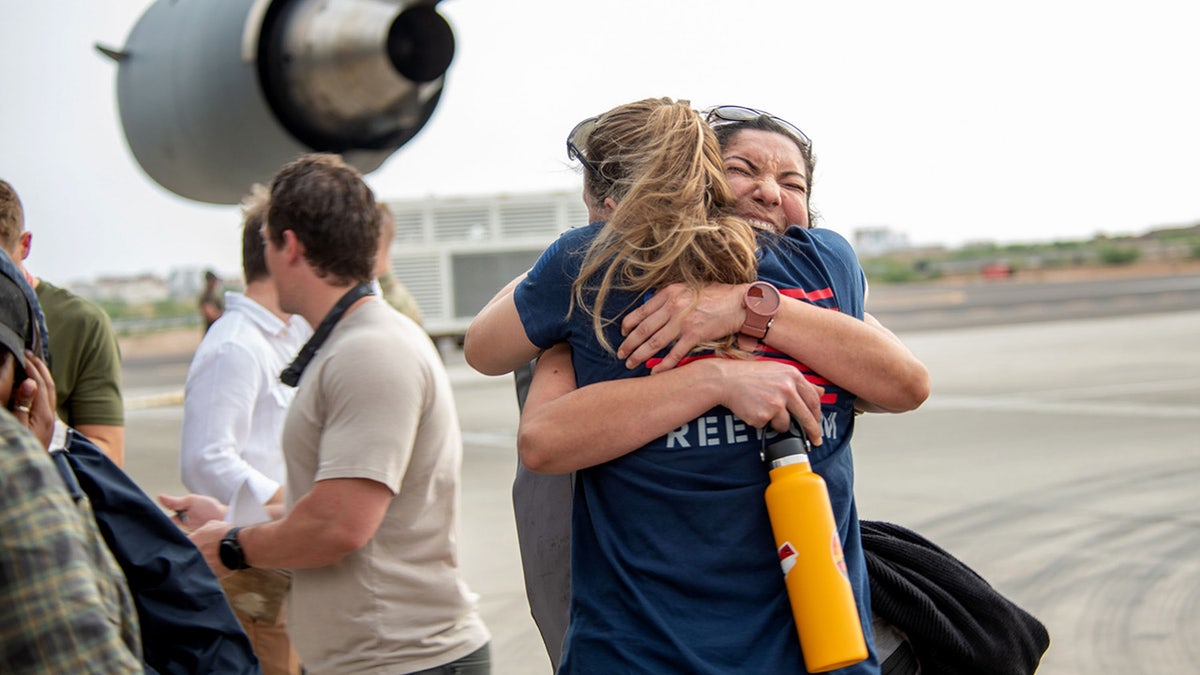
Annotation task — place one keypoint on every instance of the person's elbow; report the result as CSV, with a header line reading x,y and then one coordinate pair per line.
x,y
109,438
341,542
492,354
909,394
918,389
537,451
205,470
482,357
193,476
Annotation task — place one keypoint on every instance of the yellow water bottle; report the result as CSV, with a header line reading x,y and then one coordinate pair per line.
x,y
810,552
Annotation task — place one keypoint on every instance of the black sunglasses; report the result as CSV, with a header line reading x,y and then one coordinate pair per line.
x,y
577,138
731,114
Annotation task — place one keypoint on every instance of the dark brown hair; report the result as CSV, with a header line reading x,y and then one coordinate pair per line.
x,y
254,211
325,202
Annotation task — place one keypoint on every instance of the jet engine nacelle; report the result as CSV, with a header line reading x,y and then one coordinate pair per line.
x,y
215,96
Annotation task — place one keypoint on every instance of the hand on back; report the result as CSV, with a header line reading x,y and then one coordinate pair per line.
x,y
677,314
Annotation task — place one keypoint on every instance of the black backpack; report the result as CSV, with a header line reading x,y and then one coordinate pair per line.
x,y
186,623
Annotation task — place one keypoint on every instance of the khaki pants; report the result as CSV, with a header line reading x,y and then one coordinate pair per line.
x,y
271,645
258,601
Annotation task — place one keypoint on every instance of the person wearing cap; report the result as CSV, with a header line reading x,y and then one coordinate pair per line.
x,y
26,386
85,358
64,604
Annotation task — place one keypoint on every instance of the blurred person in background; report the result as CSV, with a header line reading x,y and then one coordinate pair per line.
x,y
387,286
211,303
85,358
233,411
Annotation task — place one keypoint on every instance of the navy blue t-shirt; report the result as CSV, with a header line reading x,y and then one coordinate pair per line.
x,y
673,562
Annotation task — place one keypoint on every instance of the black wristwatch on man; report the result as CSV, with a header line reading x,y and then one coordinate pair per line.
x,y
232,555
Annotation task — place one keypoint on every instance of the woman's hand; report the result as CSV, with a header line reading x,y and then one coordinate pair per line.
x,y
770,393
35,401
677,314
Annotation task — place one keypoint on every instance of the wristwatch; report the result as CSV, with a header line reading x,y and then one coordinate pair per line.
x,y
231,552
762,302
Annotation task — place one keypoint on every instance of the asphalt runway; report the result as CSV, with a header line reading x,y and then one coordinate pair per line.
x,y
1059,458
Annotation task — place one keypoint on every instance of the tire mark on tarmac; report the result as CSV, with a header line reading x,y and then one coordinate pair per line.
x,y
1118,590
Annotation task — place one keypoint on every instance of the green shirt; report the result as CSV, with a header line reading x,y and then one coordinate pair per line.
x,y
85,359
398,296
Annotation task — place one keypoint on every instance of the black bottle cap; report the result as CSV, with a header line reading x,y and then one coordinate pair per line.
x,y
784,446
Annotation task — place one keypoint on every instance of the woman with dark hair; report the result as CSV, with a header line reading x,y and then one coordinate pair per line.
x,y
673,562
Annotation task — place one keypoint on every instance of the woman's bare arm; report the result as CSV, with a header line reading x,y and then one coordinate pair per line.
x,y
564,429
496,343
863,357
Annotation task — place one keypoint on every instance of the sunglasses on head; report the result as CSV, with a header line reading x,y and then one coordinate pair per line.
x,y
578,138
732,114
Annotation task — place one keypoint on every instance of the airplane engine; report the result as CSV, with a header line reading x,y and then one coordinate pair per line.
x,y
215,96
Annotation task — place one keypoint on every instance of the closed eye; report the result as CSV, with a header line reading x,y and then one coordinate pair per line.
x,y
740,165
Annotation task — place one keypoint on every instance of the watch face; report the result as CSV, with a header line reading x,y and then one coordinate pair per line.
x,y
228,555
762,299
230,552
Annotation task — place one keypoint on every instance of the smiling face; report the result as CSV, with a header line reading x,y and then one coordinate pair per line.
x,y
769,178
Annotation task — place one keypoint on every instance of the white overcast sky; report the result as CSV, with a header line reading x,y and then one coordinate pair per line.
x,y
951,121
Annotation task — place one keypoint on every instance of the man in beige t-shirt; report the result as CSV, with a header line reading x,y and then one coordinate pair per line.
x,y
373,454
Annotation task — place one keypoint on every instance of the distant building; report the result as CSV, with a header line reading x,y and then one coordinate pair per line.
x,y
182,283
875,241
135,290
186,282
453,254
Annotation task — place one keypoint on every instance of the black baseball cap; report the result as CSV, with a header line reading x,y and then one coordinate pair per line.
x,y
22,325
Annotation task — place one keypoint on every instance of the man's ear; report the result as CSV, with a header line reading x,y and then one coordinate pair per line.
x,y
24,244
293,248
600,210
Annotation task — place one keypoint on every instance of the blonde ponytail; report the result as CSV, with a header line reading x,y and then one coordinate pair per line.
x,y
674,217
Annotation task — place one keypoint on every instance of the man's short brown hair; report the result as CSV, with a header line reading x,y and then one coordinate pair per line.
x,y
254,212
12,216
325,202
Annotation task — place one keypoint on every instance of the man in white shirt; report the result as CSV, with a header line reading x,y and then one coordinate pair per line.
x,y
233,413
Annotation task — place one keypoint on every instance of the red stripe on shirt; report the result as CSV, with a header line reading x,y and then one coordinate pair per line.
x,y
811,296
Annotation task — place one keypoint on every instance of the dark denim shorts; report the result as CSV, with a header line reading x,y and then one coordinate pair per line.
x,y
478,662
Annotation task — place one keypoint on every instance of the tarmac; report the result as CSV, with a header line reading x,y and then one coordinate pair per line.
x,y
1058,458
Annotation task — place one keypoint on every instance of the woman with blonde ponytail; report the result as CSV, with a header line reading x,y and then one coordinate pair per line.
x,y
673,565
673,220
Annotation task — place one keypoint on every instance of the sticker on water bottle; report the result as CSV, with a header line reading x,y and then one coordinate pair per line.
x,y
839,558
787,557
